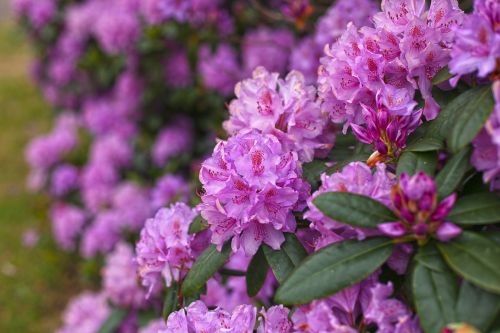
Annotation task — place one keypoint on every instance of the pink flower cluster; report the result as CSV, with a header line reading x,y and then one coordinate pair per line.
x,y
165,248
380,69
356,178
251,185
285,108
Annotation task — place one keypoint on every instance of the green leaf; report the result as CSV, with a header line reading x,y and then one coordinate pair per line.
x,y
313,170
145,317
440,127
256,272
471,118
170,301
475,258
332,269
477,307
479,208
204,268
198,225
430,257
434,294
353,209
412,162
284,261
425,144
442,76
450,177
114,320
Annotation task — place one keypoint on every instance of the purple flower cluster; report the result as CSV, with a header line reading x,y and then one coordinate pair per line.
x,y
361,305
85,314
120,283
477,41
381,68
38,12
172,140
46,151
415,203
165,247
356,178
285,108
67,224
251,185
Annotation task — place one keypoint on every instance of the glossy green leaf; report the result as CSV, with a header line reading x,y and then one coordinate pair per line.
x,y
471,118
430,257
256,272
284,261
412,162
475,258
204,268
477,307
312,171
114,320
332,269
478,208
452,174
354,209
442,76
425,144
198,225
434,294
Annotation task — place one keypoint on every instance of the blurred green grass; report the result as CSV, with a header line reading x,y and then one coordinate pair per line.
x,y
35,283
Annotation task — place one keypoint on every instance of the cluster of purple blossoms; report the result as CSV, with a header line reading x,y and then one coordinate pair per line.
x,y
120,283
198,318
85,314
421,214
286,108
67,224
169,189
356,178
486,154
361,305
477,42
305,55
38,12
44,152
165,248
251,185
173,140
382,67
219,70
65,179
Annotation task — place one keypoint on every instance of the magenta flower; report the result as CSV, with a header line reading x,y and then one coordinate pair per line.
x,y
177,70
155,326
415,203
173,140
164,248
65,178
120,283
219,71
197,318
85,313
132,203
285,108
267,48
102,235
362,304
275,320
251,188
477,43
117,29
169,189
387,132
67,224
357,178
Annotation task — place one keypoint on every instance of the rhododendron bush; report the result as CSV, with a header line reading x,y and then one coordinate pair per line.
x,y
273,166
